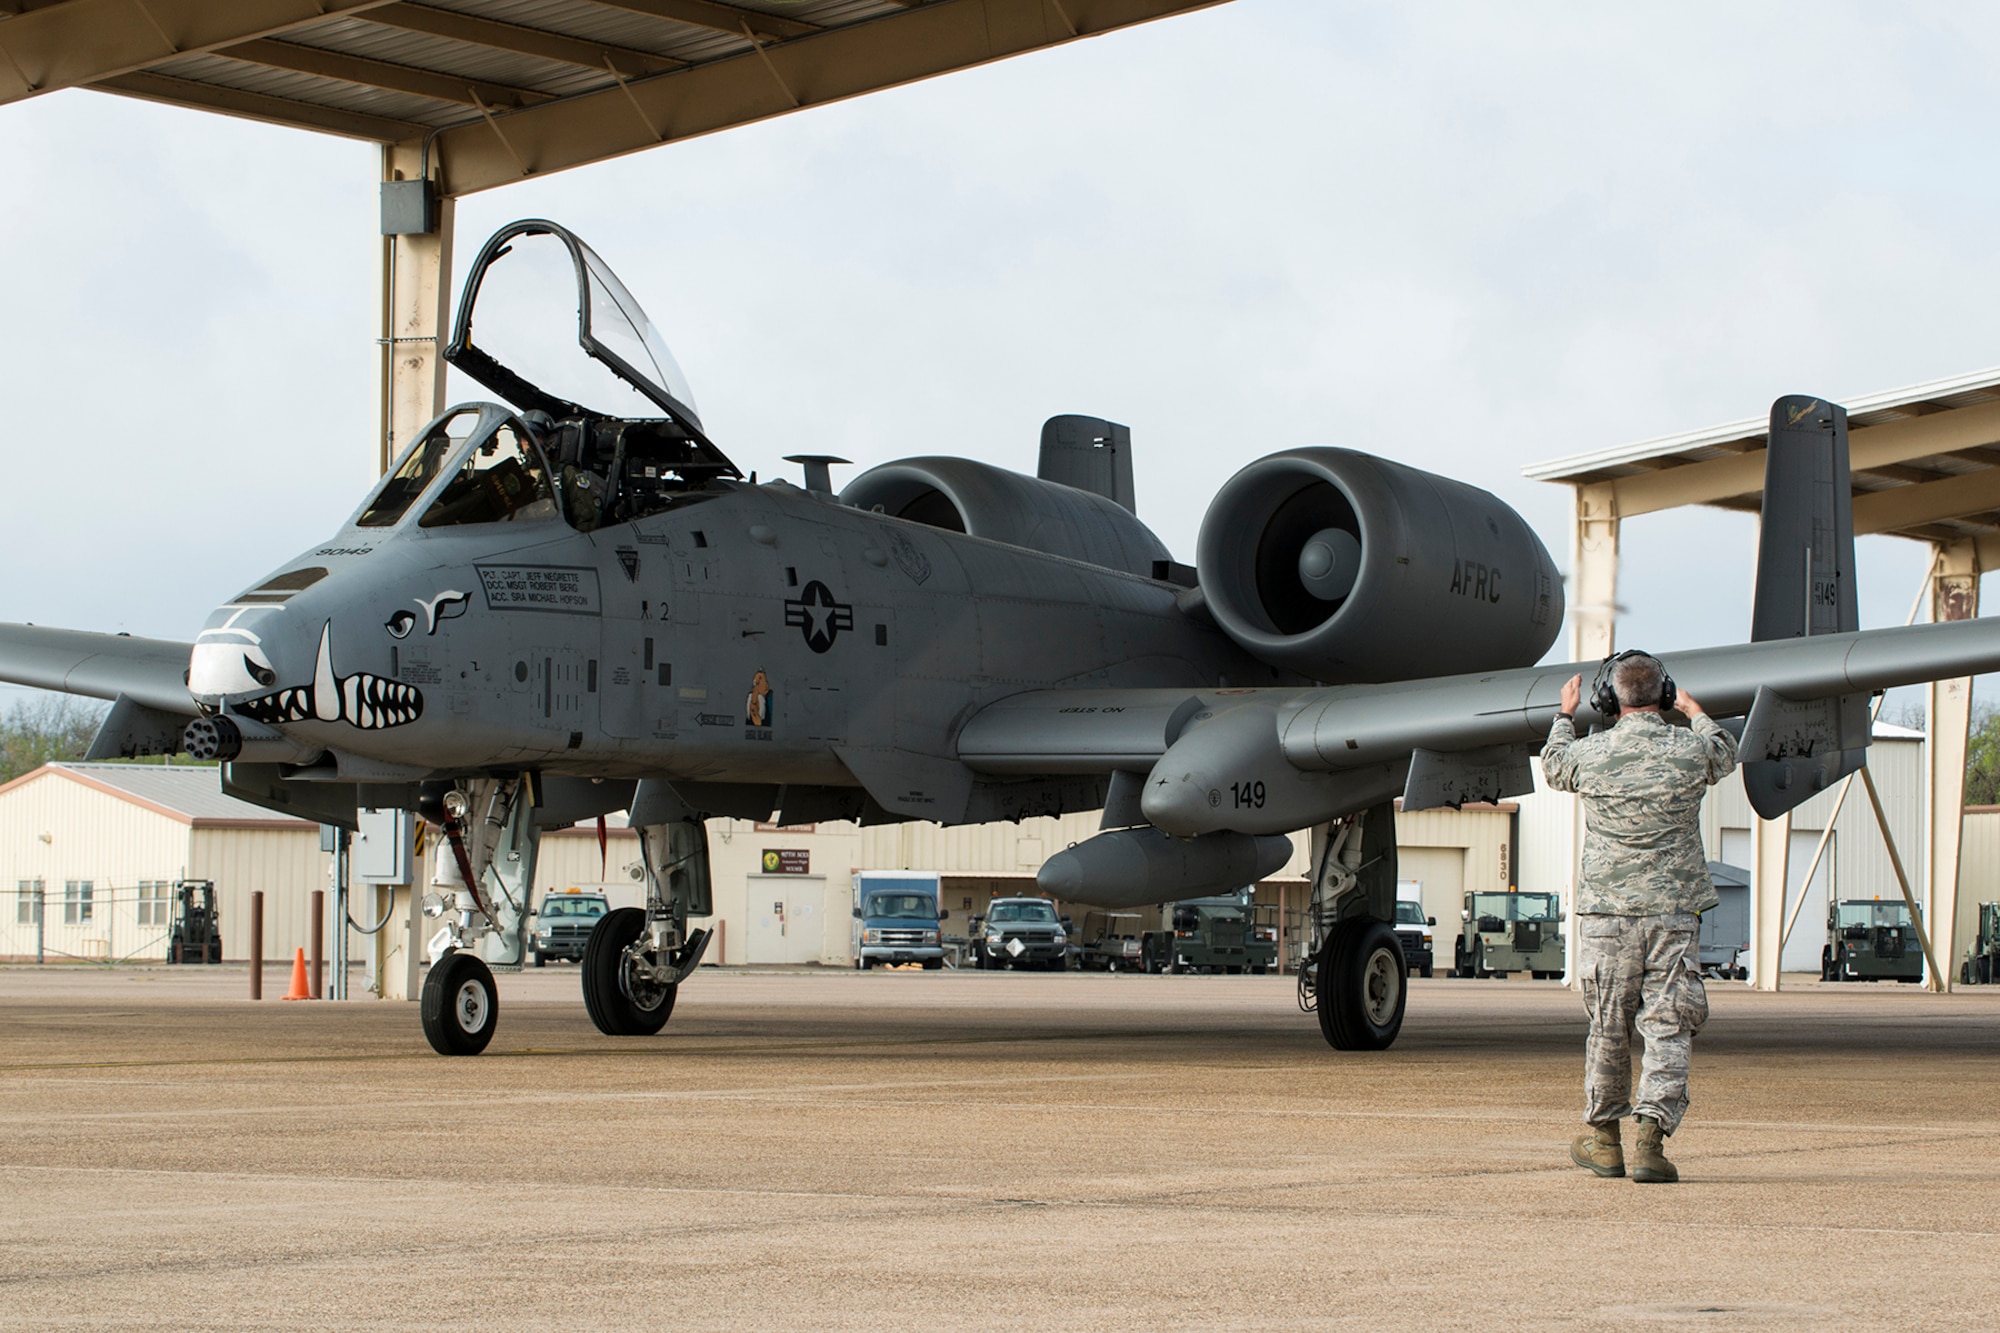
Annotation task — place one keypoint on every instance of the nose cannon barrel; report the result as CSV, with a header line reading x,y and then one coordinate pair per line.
x,y
225,739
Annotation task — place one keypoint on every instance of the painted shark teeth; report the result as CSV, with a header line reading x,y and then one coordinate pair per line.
x,y
362,700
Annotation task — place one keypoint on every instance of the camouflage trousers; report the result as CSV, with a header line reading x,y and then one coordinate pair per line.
x,y
1639,974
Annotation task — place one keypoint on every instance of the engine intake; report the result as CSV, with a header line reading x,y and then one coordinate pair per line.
x,y
1350,568
960,495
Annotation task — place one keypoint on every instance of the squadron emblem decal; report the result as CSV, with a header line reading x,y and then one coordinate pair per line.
x,y
817,613
759,707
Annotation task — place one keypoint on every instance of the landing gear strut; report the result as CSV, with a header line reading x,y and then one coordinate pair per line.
x,y
1357,981
485,863
638,957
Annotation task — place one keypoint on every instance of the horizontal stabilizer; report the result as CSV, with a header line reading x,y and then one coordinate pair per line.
x,y
1440,778
1781,728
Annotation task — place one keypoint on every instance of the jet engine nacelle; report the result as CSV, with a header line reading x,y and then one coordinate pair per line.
x,y
960,495
1346,568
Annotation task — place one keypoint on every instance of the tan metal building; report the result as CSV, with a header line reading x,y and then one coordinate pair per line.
x,y
102,844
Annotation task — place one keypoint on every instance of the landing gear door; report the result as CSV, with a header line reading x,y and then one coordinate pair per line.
x,y
532,270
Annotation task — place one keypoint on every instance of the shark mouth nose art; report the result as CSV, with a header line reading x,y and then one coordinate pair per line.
x,y
362,700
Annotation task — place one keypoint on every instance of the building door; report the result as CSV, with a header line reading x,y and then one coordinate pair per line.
x,y
1438,876
786,919
1809,935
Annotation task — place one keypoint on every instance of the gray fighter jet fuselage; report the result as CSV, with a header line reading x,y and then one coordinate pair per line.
x,y
759,637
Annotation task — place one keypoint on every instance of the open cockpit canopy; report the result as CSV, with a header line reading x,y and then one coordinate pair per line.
x,y
626,373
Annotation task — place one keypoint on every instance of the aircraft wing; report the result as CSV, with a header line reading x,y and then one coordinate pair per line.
x,y
1276,760
150,672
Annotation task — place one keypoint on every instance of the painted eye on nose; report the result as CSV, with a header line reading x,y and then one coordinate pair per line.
x,y
400,624
260,673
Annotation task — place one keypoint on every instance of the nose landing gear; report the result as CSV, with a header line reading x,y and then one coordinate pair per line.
x,y
460,1005
486,862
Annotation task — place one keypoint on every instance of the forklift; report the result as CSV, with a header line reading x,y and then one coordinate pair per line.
x,y
196,936
1982,963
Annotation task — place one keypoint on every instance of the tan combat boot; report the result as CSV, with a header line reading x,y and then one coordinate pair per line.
x,y
1649,1157
1598,1149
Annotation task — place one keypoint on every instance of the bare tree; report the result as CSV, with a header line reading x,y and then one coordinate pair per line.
x,y
52,728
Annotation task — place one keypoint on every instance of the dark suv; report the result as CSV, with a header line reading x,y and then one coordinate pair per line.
x,y
563,924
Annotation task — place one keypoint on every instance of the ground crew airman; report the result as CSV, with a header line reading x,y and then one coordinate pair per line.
x,y
1638,957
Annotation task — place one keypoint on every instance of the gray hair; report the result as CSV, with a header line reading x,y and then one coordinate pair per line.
x,y
1637,681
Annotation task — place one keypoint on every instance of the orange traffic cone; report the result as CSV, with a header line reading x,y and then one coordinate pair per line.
x,y
299,989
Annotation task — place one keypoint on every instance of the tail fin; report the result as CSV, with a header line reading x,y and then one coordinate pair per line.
x,y
1805,586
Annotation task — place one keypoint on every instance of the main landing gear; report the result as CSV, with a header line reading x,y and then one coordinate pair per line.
x,y
638,957
1356,980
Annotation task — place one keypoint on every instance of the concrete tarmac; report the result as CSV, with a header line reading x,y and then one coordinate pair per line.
x,y
827,1149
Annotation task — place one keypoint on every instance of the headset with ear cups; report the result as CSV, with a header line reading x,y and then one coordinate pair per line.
x,y
1604,698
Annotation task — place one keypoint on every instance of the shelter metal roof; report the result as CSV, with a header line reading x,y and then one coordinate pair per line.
x,y
502,89
1925,463
190,793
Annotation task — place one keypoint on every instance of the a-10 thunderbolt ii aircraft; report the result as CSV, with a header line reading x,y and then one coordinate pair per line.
x,y
548,611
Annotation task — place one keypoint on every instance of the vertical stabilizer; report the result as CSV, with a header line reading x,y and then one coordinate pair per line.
x,y
1090,454
1805,587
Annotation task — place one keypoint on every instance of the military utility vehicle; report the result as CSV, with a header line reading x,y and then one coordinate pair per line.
x,y
1220,934
1110,942
1982,961
1020,933
1870,939
1510,932
1413,928
563,924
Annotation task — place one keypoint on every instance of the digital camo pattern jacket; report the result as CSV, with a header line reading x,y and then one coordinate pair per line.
x,y
1642,782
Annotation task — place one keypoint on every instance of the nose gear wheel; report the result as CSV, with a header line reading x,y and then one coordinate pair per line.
x,y
460,1005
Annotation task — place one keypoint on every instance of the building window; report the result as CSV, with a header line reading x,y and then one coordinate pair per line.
x,y
76,902
28,906
153,901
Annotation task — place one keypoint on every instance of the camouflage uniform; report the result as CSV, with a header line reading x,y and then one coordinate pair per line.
x,y
1644,877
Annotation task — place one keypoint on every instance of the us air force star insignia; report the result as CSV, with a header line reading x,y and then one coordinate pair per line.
x,y
819,615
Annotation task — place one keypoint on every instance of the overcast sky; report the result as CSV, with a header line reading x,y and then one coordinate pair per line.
x,y
1465,236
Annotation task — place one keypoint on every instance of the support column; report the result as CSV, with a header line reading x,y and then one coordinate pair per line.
x,y
416,307
1771,851
1593,573
416,312
1593,625
1948,720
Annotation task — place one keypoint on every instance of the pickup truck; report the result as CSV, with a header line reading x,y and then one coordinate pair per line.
x,y
1021,933
563,924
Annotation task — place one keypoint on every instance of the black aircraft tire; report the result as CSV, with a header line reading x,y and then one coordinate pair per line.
x,y
611,1010
1363,986
460,1006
